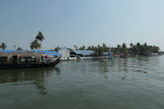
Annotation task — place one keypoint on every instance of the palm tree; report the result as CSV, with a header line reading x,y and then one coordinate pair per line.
x,y
124,46
3,46
131,49
82,48
155,49
35,45
138,45
124,49
118,46
39,37
131,45
118,49
75,47
104,47
89,48
19,48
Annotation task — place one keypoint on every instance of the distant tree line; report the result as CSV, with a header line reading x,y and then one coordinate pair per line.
x,y
136,49
98,50
3,46
120,50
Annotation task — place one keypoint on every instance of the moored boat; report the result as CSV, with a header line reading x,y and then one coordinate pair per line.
x,y
26,60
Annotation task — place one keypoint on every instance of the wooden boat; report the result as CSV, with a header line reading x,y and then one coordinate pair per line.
x,y
26,60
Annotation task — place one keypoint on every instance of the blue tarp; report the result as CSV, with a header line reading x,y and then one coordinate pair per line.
x,y
11,50
52,53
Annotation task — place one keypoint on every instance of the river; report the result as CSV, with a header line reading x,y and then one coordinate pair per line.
x,y
132,83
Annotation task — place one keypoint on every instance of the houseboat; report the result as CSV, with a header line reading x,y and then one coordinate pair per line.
x,y
26,60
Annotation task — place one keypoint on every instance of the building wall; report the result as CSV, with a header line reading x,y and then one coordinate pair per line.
x,y
65,54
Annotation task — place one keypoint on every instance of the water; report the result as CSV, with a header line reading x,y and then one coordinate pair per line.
x,y
132,83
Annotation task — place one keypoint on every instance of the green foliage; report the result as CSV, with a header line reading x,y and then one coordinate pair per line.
x,y
137,49
98,50
105,48
56,49
39,37
124,49
117,50
37,41
35,45
82,48
3,46
75,47
19,48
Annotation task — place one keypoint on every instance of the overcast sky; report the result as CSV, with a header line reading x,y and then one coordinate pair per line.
x,y
66,23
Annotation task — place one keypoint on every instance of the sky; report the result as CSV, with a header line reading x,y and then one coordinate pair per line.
x,y
66,23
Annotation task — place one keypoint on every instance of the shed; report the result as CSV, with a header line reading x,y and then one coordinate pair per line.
x,y
84,53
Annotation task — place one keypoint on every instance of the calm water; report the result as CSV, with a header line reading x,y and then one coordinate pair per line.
x,y
133,83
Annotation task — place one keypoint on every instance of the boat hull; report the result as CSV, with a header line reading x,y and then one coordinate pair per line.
x,y
16,66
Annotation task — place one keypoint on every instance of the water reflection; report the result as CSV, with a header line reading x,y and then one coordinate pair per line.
x,y
103,65
38,76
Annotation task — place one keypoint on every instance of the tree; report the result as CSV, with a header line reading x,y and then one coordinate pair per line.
x,y
82,48
35,45
124,45
137,49
19,48
104,47
57,48
98,51
39,37
89,48
118,49
75,47
3,46
119,46
131,48
155,49
124,49
131,45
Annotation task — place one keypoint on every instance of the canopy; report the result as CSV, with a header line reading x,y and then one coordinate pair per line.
x,y
51,53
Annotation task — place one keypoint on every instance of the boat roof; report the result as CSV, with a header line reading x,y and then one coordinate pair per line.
x,y
25,54
51,53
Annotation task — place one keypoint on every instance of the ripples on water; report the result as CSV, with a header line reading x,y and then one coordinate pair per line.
x,y
132,83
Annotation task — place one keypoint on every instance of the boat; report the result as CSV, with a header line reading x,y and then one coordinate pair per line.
x,y
26,60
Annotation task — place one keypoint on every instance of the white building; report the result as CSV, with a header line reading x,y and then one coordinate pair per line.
x,y
66,54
